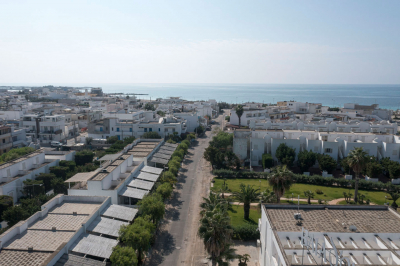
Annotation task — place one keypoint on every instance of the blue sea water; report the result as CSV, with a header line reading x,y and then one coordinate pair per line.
x,y
387,96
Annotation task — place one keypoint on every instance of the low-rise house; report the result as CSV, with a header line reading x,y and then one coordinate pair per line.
x,y
14,172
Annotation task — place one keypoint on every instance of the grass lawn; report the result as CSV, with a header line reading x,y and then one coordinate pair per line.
x,y
238,213
330,193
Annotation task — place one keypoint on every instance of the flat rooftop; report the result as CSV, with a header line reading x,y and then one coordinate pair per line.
x,y
330,218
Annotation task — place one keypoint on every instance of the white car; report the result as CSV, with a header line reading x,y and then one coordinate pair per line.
x,y
55,144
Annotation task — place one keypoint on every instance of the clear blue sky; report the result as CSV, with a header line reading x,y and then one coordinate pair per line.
x,y
321,41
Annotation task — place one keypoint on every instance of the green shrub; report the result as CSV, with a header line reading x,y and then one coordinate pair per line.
x,y
267,161
15,153
151,135
318,191
246,232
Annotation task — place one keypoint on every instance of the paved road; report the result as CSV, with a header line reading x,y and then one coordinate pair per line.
x,y
177,242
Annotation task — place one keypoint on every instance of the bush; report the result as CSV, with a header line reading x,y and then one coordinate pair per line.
x,y
285,154
70,164
246,232
267,161
83,157
306,159
151,135
15,153
165,190
112,139
327,163
318,191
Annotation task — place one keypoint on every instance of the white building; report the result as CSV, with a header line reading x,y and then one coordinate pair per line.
x,y
328,235
252,144
14,172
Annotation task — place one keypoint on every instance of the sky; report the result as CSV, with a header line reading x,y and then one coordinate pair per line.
x,y
217,41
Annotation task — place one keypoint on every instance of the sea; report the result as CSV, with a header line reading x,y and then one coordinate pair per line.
x,y
387,96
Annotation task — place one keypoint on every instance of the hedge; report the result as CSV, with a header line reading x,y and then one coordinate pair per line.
x,y
312,180
267,160
246,232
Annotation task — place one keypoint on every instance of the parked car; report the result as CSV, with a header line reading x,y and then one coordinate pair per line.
x,y
55,144
208,128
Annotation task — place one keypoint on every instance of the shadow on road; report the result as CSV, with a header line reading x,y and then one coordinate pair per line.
x,y
165,245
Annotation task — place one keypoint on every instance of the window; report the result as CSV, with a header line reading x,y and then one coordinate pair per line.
x,y
145,129
324,138
159,129
101,129
112,129
328,150
173,130
4,140
130,129
150,129
117,129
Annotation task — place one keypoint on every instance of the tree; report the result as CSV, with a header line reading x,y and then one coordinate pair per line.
x,y
309,195
153,206
59,171
138,235
169,177
306,159
161,113
228,118
246,195
211,154
59,186
214,202
84,157
165,190
280,180
149,107
224,188
345,165
394,170
5,203
151,135
46,179
239,112
199,130
357,159
216,231
70,164
327,163
112,139
14,214
123,256
32,188
267,161
243,259
285,154
222,140
374,169
395,196
386,162
88,140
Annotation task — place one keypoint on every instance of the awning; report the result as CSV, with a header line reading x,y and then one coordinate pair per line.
x,y
120,212
152,170
110,157
95,245
158,160
162,156
137,183
148,176
133,193
106,226
81,177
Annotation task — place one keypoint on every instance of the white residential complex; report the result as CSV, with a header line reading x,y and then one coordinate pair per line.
x,y
328,235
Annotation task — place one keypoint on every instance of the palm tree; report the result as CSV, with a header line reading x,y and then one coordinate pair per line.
x,y
395,196
214,202
280,180
216,231
357,160
239,112
246,195
309,194
224,188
